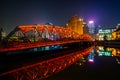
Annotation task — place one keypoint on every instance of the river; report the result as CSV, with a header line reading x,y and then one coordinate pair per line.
x,y
102,63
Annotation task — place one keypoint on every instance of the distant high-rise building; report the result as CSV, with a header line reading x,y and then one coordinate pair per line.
x,y
91,27
97,29
85,28
76,24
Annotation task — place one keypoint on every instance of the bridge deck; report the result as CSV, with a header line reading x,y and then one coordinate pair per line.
x,y
21,46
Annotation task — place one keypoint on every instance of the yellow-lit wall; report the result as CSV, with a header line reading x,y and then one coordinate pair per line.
x,y
115,35
76,24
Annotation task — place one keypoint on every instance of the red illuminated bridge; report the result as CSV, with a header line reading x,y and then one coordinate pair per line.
x,y
39,35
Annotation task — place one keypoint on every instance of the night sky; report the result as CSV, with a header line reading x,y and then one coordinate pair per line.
x,y
21,12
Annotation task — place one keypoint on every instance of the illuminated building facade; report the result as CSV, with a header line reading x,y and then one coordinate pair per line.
x,y
116,33
76,24
105,34
91,27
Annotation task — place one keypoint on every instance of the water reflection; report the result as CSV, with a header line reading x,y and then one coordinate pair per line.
x,y
46,48
103,53
43,69
37,49
107,51
81,61
101,63
91,56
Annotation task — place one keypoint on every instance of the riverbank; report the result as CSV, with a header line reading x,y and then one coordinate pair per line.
x,y
108,43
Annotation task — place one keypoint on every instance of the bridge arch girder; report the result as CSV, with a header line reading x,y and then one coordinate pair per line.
x,y
46,32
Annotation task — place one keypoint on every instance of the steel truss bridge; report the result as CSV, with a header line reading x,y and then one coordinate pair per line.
x,y
44,69
39,35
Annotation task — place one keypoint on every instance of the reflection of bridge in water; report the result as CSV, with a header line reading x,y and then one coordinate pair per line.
x,y
45,68
35,36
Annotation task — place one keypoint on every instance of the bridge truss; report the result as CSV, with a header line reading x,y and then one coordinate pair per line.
x,y
38,35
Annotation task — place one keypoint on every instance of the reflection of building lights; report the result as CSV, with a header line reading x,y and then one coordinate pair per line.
x,y
91,56
101,48
118,52
91,60
113,51
104,53
118,62
109,49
